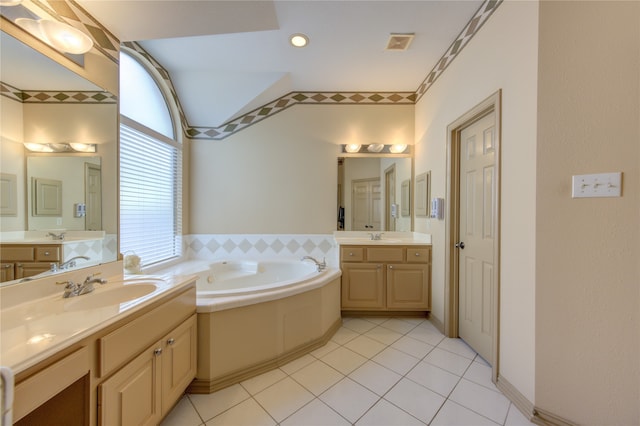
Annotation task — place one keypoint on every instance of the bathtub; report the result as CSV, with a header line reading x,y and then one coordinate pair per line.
x,y
255,315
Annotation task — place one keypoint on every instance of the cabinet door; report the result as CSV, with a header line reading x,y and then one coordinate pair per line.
x,y
132,395
408,286
179,358
362,286
30,269
7,272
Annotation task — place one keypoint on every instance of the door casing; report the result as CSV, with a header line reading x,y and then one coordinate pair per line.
x,y
452,230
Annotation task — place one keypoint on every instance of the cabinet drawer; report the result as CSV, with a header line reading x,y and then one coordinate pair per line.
x,y
418,255
48,253
352,254
123,344
385,254
9,254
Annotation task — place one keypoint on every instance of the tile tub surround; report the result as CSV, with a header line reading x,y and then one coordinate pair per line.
x,y
373,371
260,246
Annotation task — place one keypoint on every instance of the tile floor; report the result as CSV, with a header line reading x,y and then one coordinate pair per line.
x,y
374,371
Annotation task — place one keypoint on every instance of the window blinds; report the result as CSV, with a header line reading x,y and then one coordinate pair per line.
x,y
150,195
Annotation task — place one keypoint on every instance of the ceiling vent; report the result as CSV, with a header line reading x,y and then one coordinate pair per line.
x,y
399,42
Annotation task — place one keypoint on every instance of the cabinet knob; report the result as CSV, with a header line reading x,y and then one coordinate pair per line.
x,y
390,266
171,341
7,266
417,254
157,351
350,253
46,253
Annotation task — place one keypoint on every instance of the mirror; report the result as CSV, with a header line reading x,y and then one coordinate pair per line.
x,y
369,188
44,102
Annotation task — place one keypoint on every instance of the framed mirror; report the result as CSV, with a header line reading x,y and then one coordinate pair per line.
x,y
368,186
45,102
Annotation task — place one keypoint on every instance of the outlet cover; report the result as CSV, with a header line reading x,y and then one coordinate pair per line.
x,y
597,185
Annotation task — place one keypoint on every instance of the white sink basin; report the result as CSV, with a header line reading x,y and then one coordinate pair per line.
x,y
109,297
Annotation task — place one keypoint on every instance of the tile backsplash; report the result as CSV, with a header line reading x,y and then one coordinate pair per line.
x,y
249,246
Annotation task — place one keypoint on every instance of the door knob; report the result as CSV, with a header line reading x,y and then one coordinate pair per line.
x,y
460,245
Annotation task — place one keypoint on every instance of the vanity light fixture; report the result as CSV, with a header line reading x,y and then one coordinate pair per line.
x,y
352,147
299,40
58,35
61,147
375,147
397,148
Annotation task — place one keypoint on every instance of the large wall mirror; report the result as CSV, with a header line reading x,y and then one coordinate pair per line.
x,y
370,193
32,112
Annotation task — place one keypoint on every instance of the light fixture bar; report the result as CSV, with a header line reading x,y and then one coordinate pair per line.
x,y
70,147
377,149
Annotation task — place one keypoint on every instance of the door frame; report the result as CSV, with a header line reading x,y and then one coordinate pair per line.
x,y
452,230
389,222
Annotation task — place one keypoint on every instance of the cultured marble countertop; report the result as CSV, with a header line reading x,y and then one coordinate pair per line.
x,y
33,330
41,237
387,238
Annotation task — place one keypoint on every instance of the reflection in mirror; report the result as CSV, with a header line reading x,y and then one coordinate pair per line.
x,y
44,102
370,194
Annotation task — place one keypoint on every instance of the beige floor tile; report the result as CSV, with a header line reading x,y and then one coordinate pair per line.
x,y
516,418
375,377
247,413
297,364
434,378
284,398
183,414
396,360
263,381
452,414
386,414
480,374
365,346
209,406
322,351
344,360
359,325
349,399
481,400
458,347
426,335
449,361
315,413
383,335
413,347
317,377
343,335
416,400
398,325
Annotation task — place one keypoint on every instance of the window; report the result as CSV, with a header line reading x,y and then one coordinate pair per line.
x,y
150,169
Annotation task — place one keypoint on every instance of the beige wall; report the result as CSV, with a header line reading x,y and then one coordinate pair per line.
x,y
503,55
587,276
280,175
12,159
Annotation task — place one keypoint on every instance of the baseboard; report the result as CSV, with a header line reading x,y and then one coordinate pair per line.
x,y
209,386
436,322
518,399
364,313
545,418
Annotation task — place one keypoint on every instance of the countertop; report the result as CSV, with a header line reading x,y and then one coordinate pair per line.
x,y
33,330
386,238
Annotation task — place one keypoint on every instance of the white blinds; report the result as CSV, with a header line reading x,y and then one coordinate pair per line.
x,y
150,195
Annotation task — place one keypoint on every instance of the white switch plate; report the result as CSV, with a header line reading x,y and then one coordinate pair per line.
x,y
597,185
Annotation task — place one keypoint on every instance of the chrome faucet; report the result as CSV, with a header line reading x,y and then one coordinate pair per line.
x,y
376,237
55,236
72,289
71,263
320,265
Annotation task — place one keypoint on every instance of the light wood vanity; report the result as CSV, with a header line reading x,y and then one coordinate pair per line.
x,y
129,365
386,278
21,261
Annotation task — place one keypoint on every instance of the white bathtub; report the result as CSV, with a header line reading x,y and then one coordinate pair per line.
x,y
256,315
232,283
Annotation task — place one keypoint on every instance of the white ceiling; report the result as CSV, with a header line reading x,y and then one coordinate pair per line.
x,y
226,58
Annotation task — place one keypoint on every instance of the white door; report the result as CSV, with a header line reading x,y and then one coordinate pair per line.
x,y
476,245
365,205
93,197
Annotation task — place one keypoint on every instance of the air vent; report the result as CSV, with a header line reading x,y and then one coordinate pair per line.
x,y
399,42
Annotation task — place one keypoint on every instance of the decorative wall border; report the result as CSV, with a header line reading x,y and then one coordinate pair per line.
x,y
473,26
57,97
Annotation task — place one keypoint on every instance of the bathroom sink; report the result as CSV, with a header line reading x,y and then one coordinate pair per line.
x,y
363,240
109,297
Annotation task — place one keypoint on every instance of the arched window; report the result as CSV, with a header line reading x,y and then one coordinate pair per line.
x,y
150,167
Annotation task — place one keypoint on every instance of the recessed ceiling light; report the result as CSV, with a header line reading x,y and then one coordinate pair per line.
x,y
299,40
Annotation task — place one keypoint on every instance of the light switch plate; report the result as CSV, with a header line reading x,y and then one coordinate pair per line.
x,y
597,185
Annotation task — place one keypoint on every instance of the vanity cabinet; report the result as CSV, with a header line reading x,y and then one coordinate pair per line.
x,y
22,261
143,391
386,278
